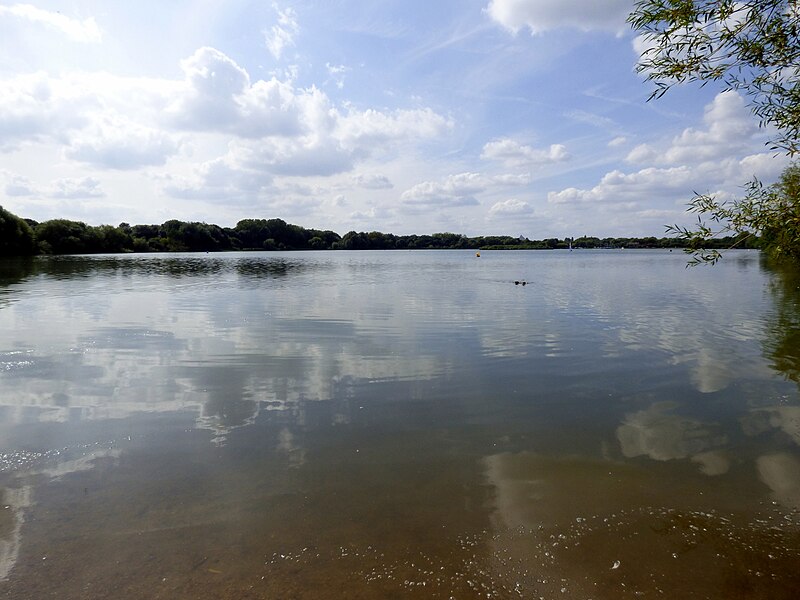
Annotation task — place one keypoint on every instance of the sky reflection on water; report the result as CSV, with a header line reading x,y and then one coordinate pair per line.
x,y
409,399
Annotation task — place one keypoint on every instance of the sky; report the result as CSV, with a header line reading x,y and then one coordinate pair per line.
x,y
513,117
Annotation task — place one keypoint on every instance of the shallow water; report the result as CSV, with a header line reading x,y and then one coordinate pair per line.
x,y
399,424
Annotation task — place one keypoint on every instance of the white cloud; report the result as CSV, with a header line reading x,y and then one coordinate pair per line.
x,y
455,190
643,153
218,180
618,141
370,127
85,31
544,15
32,108
372,181
510,207
281,35
250,131
318,153
113,142
618,186
764,165
590,118
729,129
17,185
65,188
702,160
218,95
513,154
337,73
285,130
71,188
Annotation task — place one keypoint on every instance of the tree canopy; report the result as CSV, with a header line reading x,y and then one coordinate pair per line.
x,y
16,236
63,236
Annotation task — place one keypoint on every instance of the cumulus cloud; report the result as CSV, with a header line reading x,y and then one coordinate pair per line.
x,y
617,185
510,208
729,128
269,127
455,190
286,130
32,108
643,153
364,129
218,180
218,95
281,35
308,155
116,143
708,159
543,15
85,30
513,154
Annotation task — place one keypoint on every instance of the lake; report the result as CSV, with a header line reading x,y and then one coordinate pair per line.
x,y
399,424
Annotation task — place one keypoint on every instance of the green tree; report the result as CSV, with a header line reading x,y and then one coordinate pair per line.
x,y
752,46
62,236
252,233
16,236
773,212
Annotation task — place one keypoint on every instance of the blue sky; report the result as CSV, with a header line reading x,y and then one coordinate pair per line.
x,y
520,117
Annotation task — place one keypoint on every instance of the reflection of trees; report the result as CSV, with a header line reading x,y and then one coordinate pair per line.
x,y
267,267
13,270
187,266
782,344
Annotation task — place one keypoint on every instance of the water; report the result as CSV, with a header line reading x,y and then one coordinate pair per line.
x,y
399,424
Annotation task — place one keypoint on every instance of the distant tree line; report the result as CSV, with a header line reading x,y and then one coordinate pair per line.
x,y
24,237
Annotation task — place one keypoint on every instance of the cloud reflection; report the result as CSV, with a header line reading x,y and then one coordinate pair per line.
x,y
781,472
14,502
661,435
167,336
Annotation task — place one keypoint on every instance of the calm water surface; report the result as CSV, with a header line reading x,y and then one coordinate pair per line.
x,y
399,425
